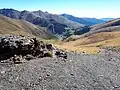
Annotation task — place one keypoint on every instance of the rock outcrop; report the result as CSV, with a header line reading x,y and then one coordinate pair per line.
x,y
18,48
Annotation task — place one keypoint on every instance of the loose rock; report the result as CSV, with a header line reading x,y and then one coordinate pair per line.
x,y
17,48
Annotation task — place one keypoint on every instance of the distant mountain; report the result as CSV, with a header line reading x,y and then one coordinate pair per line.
x,y
93,21
110,26
107,19
13,26
54,23
86,21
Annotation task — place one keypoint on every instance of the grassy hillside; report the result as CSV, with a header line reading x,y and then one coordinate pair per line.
x,y
13,26
93,43
100,36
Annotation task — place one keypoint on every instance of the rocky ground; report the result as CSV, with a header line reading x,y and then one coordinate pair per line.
x,y
79,71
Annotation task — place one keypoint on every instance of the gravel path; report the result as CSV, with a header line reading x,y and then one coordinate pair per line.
x,y
79,72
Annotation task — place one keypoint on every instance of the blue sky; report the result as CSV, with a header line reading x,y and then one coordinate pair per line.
x,y
79,8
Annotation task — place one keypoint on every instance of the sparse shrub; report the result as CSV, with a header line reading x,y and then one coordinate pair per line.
x,y
48,54
99,45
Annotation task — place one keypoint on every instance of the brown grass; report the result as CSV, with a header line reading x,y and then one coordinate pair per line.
x,y
93,43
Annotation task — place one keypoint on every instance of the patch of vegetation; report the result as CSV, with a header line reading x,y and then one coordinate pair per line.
x,y
48,54
69,32
99,45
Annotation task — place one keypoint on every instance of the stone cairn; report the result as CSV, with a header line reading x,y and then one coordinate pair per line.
x,y
19,48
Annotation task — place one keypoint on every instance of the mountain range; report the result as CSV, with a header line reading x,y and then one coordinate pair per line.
x,y
54,23
107,19
85,21
44,24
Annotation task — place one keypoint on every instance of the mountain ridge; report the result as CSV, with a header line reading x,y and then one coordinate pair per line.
x,y
82,20
43,19
107,19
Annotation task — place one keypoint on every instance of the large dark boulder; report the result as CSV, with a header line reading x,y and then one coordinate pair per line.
x,y
11,45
